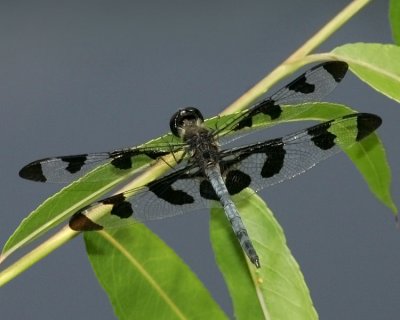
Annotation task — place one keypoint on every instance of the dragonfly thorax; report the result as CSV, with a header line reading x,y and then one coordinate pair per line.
x,y
202,147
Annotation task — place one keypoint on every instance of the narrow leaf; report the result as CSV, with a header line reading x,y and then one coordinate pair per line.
x,y
145,279
376,64
275,291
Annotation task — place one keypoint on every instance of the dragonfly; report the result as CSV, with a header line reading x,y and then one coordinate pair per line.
x,y
205,172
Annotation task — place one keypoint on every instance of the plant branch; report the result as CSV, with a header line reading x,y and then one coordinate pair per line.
x,y
297,59
37,254
325,32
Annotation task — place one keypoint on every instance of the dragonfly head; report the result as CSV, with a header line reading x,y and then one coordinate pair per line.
x,y
183,118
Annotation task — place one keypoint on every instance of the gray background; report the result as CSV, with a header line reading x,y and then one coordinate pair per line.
x,y
86,76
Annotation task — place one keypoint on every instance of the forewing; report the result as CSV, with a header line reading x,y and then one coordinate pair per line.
x,y
65,169
312,85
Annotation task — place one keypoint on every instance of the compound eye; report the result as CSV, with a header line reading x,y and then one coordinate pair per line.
x,y
184,117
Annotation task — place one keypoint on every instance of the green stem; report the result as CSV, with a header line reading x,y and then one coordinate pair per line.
x,y
37,254
296,59
338,21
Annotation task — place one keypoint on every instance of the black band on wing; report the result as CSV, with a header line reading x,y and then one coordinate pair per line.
x,y
366,124
267,107
75,163
337,69
123,158
301,85
163,189
321,137
275,153
80,222
120,207
207,191
33,171
236,181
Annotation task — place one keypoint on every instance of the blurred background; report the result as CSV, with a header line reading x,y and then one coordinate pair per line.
x,y
87,76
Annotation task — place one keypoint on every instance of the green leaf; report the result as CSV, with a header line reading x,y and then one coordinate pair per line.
x,y
145,279
275,291
370,159
376,64
394,18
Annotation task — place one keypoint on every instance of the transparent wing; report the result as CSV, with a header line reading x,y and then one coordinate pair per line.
x,y
173,194
312,85
64,169
267,163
